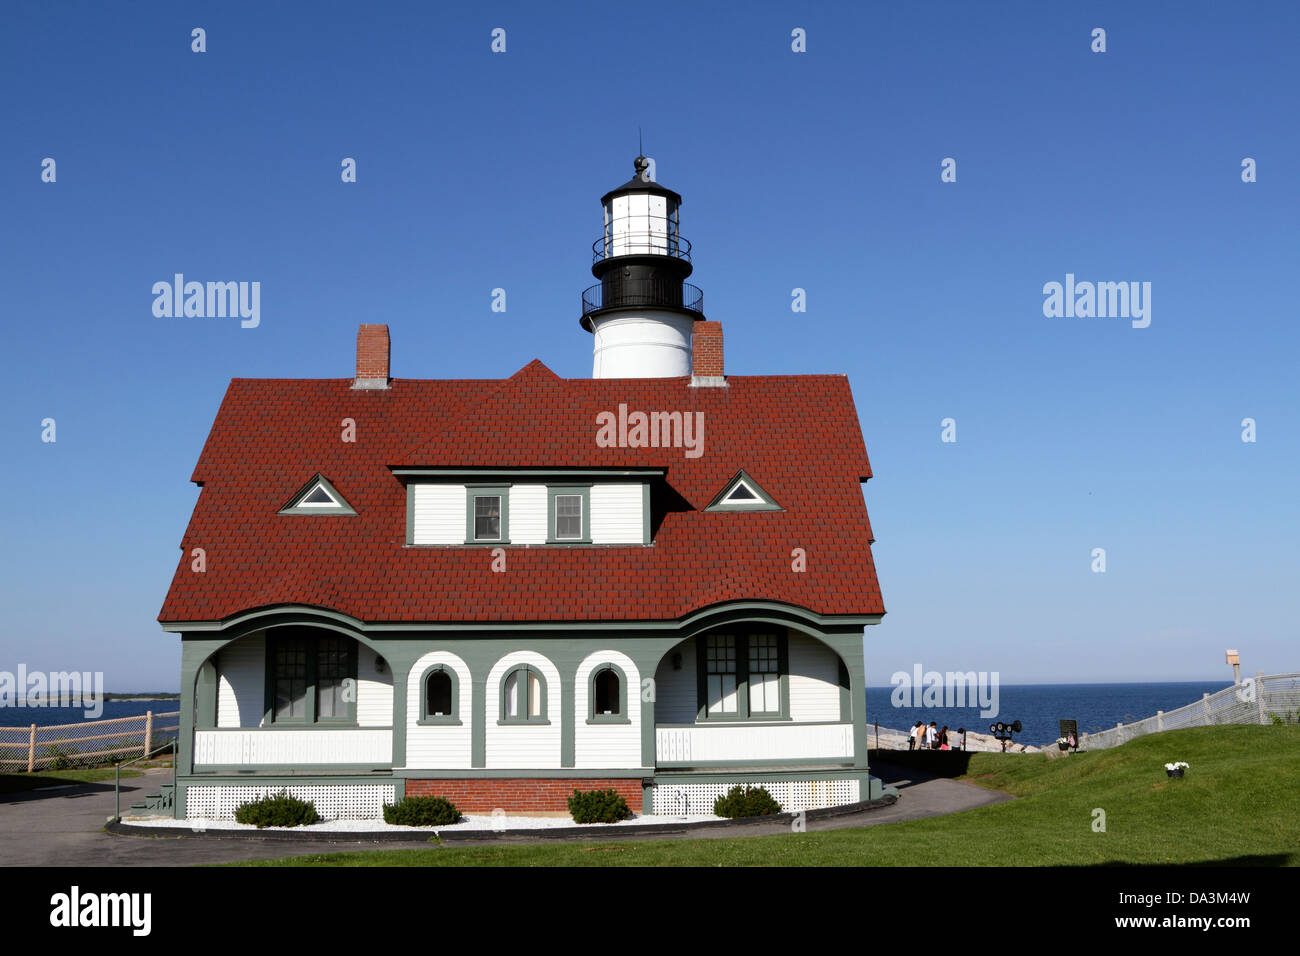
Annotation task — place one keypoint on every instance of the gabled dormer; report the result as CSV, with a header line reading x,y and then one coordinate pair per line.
x,y
318,497
742,493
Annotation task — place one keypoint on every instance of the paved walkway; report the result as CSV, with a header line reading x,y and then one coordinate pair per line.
x,y
65,827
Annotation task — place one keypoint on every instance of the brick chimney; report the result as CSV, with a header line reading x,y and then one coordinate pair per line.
x,y
706,355
372,357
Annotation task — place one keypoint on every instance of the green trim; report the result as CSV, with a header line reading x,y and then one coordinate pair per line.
x,y
396,668
765,501
410,515
473,492
525,702
568,728
725,612
293,507
622,717
645,512
423,718
308,635
552,519
478,722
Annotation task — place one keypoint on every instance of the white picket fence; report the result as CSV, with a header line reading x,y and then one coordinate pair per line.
x,y
1253,701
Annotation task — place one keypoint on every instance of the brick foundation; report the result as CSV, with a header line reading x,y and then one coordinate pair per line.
x,y
521,795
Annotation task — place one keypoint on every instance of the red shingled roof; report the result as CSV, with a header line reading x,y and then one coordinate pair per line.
x,y
796,435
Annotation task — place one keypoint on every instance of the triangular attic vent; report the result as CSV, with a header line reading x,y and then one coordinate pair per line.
x,y
317,497
742,493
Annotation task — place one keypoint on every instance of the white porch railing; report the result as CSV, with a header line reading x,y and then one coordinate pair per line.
x,y
257,747
714,743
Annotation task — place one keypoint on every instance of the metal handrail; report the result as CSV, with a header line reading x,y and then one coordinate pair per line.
x,y
117,776
668,294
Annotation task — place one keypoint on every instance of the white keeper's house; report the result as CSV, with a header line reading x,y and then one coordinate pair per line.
x,y
500,590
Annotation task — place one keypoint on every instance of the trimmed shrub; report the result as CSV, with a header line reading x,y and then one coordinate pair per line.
x,y
277,810
421,812
746,802
598,806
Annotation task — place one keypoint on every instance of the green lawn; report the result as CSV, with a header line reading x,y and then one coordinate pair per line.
x,y
1237,805
18,782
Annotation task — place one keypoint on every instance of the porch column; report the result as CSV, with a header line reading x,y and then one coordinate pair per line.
x,y
198,695
849,648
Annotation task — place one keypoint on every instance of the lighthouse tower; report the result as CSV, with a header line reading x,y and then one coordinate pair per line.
x,y
642,310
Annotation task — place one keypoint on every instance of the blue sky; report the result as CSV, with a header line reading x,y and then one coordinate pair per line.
x,y
817,170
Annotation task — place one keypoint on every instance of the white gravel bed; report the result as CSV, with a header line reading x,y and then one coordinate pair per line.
x,y
467,822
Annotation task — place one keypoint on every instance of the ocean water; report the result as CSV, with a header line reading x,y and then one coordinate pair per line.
x,y
1040,707
47,716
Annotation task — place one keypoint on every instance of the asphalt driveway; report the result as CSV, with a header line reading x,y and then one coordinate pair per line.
x,y
65,827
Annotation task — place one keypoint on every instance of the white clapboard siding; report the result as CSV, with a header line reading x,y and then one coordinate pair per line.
x,y
607,746
286,747
241,682
616,513
705,744
523,746
676,693
814,680
439,514
528,514
374,691
439,746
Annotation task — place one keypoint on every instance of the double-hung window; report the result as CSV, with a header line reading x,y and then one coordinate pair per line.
x,y
311,678
743,675
488,520
568,514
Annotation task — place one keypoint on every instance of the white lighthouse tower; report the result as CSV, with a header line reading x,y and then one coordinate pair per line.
x,y
642,311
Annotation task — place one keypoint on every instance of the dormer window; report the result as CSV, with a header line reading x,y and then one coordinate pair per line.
x,y
742,493
318,496
569,514
488,521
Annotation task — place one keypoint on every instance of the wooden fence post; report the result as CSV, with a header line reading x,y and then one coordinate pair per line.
x,y
1259,695
1205,708
148,731
1160,720
31,751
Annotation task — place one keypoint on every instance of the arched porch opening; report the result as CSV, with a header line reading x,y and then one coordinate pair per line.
x,y
293,694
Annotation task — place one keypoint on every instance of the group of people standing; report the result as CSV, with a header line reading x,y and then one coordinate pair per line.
x,y
921,737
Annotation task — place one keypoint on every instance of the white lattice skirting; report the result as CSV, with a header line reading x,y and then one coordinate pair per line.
x,y
689,799
333,801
